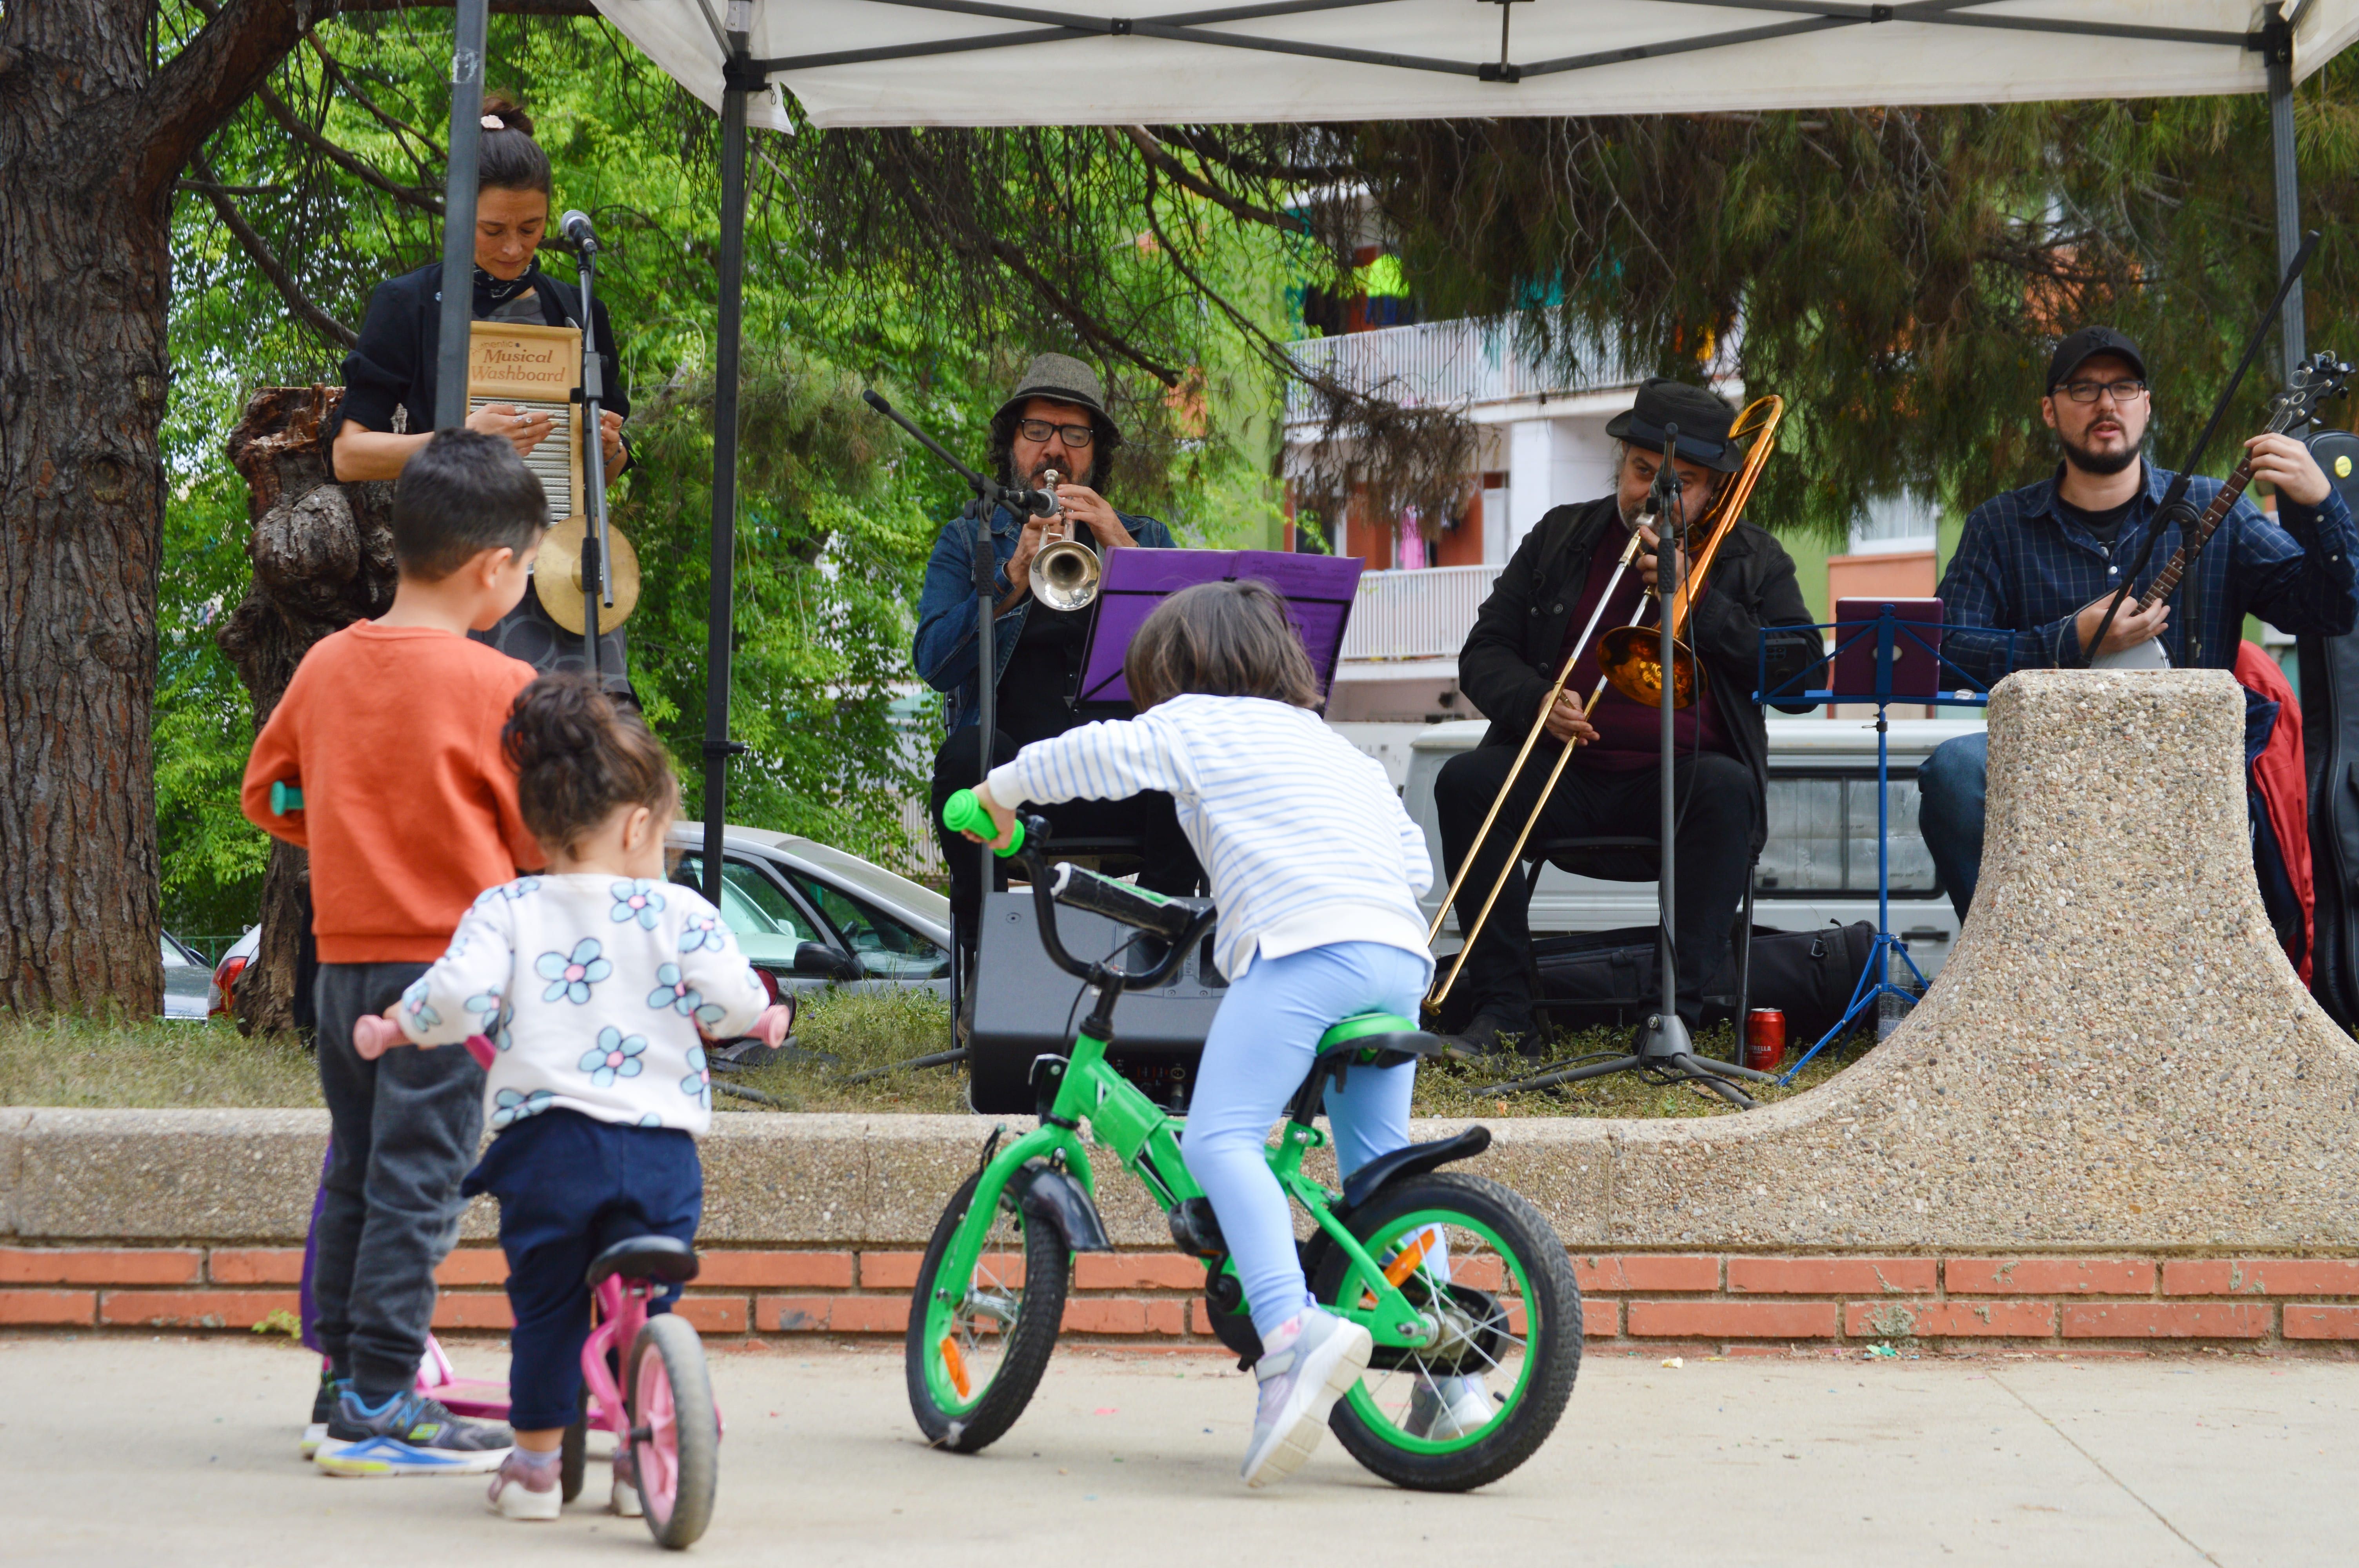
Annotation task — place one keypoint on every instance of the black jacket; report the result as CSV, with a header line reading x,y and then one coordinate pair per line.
x,y
394,363
1511,657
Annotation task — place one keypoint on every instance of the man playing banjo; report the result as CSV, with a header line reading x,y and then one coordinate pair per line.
x,y
2037,567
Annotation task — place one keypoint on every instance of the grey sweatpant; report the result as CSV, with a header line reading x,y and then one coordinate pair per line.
x,y
404,1129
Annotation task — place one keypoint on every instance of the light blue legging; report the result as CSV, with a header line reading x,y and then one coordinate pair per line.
x,y
1262,1042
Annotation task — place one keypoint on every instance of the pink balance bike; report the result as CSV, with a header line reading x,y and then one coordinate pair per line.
x,y
667,1427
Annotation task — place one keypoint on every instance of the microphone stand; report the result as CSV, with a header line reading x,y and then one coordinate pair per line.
x,y
1664,1052
597,576
989,496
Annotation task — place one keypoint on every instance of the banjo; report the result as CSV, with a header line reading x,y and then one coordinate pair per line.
x,y
2314,381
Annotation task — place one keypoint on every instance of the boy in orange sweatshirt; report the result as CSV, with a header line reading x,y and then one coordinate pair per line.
x,y
391,730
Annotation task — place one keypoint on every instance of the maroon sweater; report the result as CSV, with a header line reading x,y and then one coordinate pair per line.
x,y
1629,734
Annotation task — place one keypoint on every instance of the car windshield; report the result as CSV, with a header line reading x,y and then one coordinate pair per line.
x,y
765,922
175,958
886,947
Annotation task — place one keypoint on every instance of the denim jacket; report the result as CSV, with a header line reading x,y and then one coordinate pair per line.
x,y
945,651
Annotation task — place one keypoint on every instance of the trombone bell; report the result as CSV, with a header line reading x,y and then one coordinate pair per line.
x,y
1065,574
1632,659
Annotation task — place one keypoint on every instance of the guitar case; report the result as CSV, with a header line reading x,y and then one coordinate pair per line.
x,y
2330,719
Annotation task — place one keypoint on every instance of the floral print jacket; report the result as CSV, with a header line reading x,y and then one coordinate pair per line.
x,y
597,994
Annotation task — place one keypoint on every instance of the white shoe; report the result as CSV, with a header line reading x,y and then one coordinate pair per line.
x,y
1318,1358
1443,1409
313,1436
624,1498
513,1494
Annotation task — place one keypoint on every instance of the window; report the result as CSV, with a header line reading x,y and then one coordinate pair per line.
x,y
1822,839
766,922
886,949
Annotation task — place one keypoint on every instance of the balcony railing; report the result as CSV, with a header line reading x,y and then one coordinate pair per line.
x,y
1415,614
1447,363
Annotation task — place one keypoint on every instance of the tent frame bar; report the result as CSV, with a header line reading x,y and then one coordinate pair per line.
x,y
1190,26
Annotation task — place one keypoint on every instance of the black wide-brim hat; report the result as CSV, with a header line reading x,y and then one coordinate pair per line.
x,y
1702,418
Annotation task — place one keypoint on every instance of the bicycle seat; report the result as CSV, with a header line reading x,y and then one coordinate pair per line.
x,y
1367,1039
656,1258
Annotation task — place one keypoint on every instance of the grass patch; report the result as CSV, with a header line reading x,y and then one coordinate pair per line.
x,y
154,1064
64,1059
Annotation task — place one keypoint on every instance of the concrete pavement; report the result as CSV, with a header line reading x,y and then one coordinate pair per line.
x,y
182,1451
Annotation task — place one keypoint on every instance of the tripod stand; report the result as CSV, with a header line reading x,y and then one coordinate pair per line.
x,y
1664,1051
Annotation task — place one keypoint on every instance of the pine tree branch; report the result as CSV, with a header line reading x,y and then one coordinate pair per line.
x,y
265,261
1011,255
359,168
1181,174
196,91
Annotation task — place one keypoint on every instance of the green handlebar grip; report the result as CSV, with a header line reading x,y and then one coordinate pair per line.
x,y
284,797
964,814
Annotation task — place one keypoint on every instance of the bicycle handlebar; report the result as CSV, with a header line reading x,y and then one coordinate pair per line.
x,y
1179,921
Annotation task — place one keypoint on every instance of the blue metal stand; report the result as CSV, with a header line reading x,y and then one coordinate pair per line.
x,y
1876,980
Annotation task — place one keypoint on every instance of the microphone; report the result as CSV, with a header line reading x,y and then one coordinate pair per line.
x,y
575,226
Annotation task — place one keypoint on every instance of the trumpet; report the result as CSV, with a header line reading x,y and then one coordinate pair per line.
x,y
1065,572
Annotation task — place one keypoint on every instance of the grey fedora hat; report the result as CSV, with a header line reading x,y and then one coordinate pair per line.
x,y
1060,376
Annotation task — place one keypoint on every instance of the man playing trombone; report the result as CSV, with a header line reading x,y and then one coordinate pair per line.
x,y
1554,588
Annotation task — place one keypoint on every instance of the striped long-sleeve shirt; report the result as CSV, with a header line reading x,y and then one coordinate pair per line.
x,y
1304,838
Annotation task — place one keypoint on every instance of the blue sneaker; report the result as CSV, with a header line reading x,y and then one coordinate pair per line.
x,y
409,1434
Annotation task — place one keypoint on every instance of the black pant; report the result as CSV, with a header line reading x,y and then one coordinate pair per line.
x,y
570,1187
1169,860
403,1130
1710,857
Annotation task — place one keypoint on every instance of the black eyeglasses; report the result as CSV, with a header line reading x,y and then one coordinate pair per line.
x,y
2090,391
1076,436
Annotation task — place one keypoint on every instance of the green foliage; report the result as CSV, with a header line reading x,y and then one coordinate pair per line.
x,y
827,565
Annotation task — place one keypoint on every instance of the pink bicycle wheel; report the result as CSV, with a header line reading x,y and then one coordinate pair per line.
x,y
675,1431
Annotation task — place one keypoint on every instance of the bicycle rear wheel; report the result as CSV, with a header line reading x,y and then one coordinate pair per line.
x,y
675,1431
1481,1397
978,1344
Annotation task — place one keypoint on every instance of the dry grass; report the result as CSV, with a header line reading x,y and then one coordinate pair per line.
x,y
149,1063
152,1063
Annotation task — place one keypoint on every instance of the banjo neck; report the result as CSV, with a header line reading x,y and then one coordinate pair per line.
x,y
2165,581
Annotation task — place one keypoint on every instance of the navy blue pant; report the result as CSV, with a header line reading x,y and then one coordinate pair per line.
x,y
570,1187
1952,787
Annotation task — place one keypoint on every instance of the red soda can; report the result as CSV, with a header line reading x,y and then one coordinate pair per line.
x,y
1764,1039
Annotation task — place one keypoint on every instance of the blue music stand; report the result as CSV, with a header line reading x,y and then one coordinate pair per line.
x,y
1891,634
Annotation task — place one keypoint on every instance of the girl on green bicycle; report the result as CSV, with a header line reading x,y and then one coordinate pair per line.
x,y
1316,868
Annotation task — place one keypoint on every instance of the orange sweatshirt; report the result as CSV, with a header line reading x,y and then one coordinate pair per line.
x,y
393,734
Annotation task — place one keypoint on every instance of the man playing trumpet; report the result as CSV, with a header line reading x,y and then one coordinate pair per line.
x,y
1548,593
1054,421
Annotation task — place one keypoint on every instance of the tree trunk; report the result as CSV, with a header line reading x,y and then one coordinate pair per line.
x,y
323,557
92,133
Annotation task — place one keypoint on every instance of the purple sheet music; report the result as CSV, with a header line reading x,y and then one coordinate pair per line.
x,y
1318,591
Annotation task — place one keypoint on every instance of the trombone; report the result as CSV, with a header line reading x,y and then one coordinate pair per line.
x,y
1631,659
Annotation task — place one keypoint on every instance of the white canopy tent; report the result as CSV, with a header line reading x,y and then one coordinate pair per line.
x,y
973,63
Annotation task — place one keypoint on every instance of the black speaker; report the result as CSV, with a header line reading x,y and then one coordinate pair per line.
x,y
1026,1007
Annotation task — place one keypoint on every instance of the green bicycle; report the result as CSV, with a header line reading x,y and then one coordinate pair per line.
x,y
1464,1285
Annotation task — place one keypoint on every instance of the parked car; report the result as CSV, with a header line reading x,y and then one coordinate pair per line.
x,y
1819,864
809,916
187,981
220,996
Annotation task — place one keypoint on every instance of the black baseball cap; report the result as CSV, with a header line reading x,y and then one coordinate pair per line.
x,y
2086,344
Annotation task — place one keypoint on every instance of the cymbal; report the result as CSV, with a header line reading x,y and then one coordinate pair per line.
x,y
557,578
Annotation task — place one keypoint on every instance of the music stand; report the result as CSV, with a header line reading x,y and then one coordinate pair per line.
x,y
1318,590
1883,639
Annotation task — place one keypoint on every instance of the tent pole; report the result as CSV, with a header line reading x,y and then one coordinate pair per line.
x,y
468,30
2278,47
717,747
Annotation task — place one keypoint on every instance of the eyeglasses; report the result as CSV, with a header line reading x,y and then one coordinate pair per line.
x,y
2124,392
1077,437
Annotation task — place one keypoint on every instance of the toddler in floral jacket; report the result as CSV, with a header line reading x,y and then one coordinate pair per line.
x,y
588,994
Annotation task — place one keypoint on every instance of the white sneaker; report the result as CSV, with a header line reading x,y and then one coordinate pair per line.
x,y
1305,1368
624,1498
523,1490
1443,1409
313,1436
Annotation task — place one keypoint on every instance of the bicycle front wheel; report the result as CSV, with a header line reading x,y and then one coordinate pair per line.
x,y
1485,1392
675,1431
979,1339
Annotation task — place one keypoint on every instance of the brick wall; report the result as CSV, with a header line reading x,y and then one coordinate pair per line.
x,y
1738,1303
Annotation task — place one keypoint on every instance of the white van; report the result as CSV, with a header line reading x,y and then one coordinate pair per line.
x,y
1818,866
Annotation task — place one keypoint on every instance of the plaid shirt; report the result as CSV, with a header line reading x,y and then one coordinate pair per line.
x,y
2024,571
